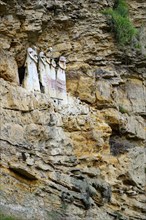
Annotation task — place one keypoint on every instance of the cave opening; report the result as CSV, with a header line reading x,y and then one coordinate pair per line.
x,y
21,74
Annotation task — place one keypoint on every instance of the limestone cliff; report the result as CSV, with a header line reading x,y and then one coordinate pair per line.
x,y
85,160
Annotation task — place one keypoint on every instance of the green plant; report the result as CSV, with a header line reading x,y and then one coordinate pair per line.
x,y
4,217
138,46
122,109
120,23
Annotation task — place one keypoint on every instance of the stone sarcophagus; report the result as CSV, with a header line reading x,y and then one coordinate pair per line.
x,y
52,78
31,79
61,81
42,73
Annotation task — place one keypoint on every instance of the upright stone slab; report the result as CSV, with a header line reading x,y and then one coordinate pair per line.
x,y
52,76
31,79
61,81
42,73
51,72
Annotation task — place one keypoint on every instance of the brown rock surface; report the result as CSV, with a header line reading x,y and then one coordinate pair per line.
x,y
58,161
86,160
40,159
8,68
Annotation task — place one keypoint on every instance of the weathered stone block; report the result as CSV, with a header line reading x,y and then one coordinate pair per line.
x,y
8,68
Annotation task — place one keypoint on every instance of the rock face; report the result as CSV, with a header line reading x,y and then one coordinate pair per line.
x,y
56,163
8,68
86,160
39,157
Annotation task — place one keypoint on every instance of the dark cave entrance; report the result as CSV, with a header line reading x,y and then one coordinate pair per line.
x,y
21,74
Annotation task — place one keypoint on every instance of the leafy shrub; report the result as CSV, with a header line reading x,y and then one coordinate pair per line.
x,y
120,23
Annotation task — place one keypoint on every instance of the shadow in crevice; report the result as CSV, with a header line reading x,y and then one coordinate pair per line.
x,y
21,74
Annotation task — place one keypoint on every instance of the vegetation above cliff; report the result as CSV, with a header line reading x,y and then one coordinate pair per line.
x,y
120,23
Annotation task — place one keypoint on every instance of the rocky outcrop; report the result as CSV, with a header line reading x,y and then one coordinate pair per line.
x,y
57,162
85,160
39,158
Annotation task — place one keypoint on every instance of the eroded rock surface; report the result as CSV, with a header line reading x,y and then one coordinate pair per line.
x,y
84,161
8,67
58,162
38,157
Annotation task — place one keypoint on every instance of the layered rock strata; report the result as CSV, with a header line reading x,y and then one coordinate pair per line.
x,y
84,161
56,161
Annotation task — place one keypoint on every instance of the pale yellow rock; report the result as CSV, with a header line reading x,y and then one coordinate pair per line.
x,y
86,89
62,46
49,155
103,93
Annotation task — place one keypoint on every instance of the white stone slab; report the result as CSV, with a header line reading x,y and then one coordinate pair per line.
x,y
44,79
51,71
61,81
31,79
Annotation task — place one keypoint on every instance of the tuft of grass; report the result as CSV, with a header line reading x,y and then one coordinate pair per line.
x,y
120,23
138,46
3,217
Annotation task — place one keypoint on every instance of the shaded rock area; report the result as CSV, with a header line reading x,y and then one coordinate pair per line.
x,y
85,160
8,67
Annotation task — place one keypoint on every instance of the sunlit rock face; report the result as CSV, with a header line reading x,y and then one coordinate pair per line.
x,y
56,161
42,157
84,160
